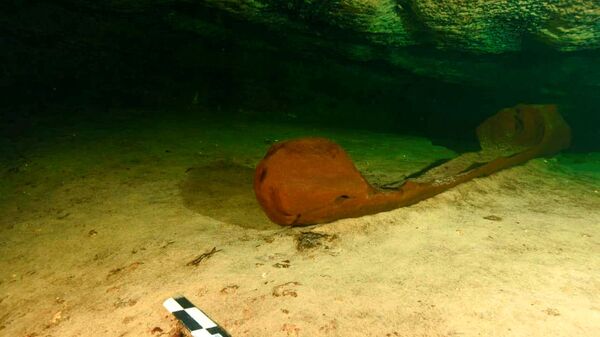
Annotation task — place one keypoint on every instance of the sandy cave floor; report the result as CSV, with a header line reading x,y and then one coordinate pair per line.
x,y
98,225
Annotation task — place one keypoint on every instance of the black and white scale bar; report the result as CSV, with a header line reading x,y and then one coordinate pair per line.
x,y
193,318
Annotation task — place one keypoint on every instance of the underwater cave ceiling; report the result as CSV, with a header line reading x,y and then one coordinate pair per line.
x,y
471,42
483,26
393,31
459,41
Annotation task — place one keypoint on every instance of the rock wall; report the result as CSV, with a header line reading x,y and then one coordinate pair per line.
x,y
485,26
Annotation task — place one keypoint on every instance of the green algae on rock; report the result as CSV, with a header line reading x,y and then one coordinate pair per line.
x,y
482,26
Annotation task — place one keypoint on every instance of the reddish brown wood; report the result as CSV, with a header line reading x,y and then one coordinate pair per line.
x,y
313,180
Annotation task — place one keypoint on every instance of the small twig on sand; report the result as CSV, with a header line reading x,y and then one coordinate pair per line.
x,y
202,256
